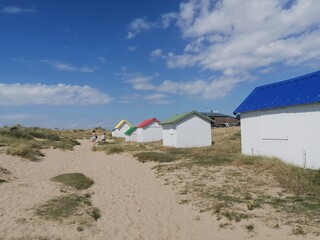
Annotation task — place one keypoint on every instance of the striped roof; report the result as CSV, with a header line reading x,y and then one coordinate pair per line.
x,y
147,122
123,122
296,91
130,131
178,117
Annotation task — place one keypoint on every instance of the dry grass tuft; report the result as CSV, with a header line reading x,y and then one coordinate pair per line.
x,y
28,142
75,208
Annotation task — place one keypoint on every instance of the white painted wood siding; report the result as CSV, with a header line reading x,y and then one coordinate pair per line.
x,y
115,133
169,135
193,131
132,137
122,129
301,146
150,133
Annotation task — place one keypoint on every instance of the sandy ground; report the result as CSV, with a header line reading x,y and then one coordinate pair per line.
x,y
134,203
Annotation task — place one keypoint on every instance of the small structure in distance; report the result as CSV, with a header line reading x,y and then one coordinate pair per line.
x,y
221,120
191,129
121,128
149,130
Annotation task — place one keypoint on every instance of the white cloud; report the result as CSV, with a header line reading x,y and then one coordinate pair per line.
x,y
140,82
61,66
267,70
40,94
132,48
232,38
157,54
202,89
167,19
130,98
236,40
88,69
17,10
139,25
16,116
157,98
103,60
210,89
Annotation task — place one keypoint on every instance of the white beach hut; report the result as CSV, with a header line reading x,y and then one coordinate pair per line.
x,y
131,135
283,120
184,130
121,128
149,130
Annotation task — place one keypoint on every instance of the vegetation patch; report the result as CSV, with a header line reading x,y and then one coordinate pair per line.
x,y
2,181
28,142
235,216
155,157
298,231
75,180
218,160
115,149
250,227
67,207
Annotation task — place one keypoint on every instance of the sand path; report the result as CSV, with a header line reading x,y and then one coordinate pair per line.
x,y
134,203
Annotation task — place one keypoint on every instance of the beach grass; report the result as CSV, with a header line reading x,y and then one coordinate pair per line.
x,y
154,156
75,180
27,142
73,206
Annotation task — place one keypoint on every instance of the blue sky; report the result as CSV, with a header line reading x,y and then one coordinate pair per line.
x,y
82,64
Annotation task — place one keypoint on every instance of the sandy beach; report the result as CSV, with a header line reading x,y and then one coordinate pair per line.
x,y
134,202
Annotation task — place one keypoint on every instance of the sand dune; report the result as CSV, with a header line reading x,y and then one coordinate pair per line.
x,y
134,203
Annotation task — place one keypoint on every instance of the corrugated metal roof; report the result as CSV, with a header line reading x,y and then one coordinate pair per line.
x,y
296,91
179,117
123,122
130,131
147,122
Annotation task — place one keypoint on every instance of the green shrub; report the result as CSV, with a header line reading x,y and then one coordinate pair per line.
x,y
76,180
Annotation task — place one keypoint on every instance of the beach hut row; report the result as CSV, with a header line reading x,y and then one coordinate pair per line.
x,y
191,129
277,120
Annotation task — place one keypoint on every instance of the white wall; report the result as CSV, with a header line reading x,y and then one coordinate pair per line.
x,y
132,137
149,133
291,134
192,131
122,129
169,135
115,133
